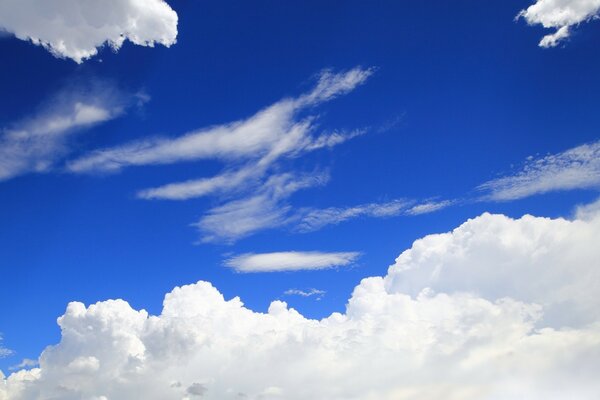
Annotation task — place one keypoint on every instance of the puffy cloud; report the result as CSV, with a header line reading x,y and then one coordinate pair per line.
x,y
560,15
36,143
76,29
461,315
576,168
290,261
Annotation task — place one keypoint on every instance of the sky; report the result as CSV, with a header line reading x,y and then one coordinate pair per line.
x,y
262,199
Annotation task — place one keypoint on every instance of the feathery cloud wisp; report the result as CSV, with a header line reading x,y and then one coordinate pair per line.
x,y
576,168
35,144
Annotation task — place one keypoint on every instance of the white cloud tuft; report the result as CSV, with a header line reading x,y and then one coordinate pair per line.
x,y
576,168
306,293
36,143
560,15
290,261
499,308
76,29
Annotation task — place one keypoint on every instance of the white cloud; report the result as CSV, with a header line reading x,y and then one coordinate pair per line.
x,y
265,208
25,363
429,207
266,136
4,352
290,261
76,29
471,314
36,143
306,293
560,15
314,219
577,168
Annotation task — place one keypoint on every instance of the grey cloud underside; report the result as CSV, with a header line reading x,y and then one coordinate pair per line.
x,y
498,308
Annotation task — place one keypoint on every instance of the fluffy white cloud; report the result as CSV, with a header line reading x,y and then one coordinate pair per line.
x,y
560,15
75,29
3,350
576,168
290,261
36,143
462,315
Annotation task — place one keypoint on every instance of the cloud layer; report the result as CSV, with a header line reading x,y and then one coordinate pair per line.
x,y
561,15
290,261
576,168
76,29
498,308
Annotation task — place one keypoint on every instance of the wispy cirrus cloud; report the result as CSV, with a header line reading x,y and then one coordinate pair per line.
x,y
4,352
317,293
290,261
576,168
314,219
561,15
37,142
253,187
270,134
76,29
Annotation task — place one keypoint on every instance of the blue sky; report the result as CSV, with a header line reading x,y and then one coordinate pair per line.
x,y
411,117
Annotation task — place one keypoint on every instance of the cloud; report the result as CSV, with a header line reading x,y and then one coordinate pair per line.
x,y
265,208
306,293
561,15
4,352
271,133
290,261
36,143
76,29
498,308
25,363
315,219
577,168
253,187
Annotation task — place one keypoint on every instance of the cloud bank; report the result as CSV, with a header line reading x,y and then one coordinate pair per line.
x,y
576,168
561,15
76,29
290,261
498,308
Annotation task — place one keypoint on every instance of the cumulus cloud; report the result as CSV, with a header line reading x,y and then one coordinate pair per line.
x,y
576,168
37,142
498,308
290,261
561,15
76,29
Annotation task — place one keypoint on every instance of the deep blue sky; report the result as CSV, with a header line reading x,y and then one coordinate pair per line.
x,y
462,91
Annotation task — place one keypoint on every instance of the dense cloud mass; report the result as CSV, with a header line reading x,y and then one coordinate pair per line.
x,y
76,29
499,308
560,15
